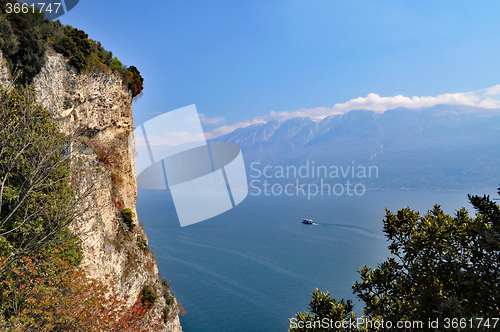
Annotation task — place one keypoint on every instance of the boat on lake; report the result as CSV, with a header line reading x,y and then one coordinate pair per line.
x,y
307,221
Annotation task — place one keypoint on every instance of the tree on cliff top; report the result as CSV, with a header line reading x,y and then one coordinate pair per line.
x,y
443,267
24,38
23,41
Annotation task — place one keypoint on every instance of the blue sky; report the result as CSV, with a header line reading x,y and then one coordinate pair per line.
x,y
242,62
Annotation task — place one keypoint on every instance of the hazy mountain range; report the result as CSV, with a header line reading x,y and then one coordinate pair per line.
x,y
442,147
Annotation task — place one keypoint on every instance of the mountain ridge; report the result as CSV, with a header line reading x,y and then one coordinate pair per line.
x,y
439,147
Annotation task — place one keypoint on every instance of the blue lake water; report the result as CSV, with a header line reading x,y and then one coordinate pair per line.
x,y
251,268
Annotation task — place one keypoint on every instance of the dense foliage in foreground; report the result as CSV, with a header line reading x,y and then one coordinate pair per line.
x,y
42,287
443,269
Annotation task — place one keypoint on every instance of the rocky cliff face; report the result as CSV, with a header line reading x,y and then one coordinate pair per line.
x,y
97,110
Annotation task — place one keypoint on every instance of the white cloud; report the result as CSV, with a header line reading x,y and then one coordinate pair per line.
x,y
489,102
174,138
316,113
380,104
222,130
211,120
374,102
494,90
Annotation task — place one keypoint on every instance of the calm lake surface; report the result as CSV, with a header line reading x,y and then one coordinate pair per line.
x,y
251,268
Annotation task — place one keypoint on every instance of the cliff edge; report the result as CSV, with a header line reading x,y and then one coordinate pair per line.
x,y
96,108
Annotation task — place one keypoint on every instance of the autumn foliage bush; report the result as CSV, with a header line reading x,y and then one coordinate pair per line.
x,y
136,81
57,296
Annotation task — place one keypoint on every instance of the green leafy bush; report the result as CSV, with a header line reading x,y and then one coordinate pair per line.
x,y
68,247
169,298
8,41
148,295
23,44
442,267
166,313
83,53
115,64
166,286
141,243
128,218
322,306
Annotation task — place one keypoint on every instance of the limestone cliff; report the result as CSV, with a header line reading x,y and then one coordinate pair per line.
x,y
97,107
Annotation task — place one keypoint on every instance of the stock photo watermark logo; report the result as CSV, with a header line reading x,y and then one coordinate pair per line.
x,y
310,180
204,178
50,9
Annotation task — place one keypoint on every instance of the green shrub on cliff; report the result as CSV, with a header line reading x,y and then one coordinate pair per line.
x,y
128,218
24,38
83,53
142,244
76,46
24,43
8,41
86,54
115,64
148,296
169,299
